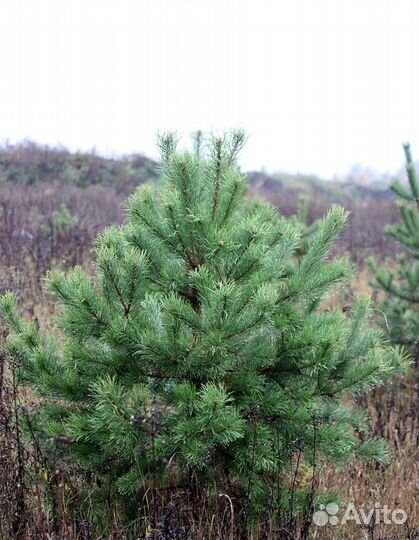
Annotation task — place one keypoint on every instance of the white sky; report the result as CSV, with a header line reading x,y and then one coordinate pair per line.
x,y
318,84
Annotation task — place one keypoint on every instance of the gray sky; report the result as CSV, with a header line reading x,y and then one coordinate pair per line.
x,y
318,84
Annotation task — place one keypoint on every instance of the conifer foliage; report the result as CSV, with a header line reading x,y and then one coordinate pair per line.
x,y
192,353
401,283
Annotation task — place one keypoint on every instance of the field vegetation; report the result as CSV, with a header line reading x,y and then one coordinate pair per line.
x,y
53,204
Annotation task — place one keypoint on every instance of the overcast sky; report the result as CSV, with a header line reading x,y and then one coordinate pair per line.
x,y
318,84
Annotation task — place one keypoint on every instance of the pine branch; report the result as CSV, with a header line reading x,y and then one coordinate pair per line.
x,y
218,149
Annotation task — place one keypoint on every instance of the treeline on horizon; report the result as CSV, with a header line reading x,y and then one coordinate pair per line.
x,y
28,163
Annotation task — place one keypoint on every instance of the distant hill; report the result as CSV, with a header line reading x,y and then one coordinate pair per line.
x,y
282,186
28,163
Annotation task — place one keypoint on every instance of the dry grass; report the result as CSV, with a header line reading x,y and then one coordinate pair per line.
x,y
393,413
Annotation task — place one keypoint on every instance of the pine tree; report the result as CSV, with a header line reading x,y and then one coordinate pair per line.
x,y
193,353
401,283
